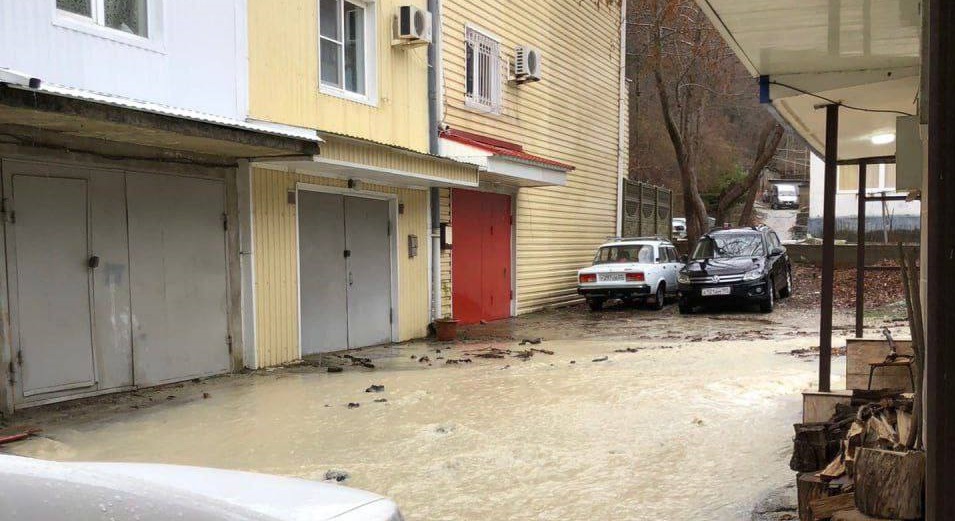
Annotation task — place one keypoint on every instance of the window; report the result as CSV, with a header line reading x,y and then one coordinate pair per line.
x,y
482,71
345,38
128,16
729,246
637,253
878,178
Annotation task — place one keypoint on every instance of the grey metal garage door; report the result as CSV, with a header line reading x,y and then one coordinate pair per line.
x,y
178,277
52,284
345,271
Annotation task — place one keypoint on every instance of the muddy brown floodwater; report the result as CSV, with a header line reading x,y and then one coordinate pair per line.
x,y
694,422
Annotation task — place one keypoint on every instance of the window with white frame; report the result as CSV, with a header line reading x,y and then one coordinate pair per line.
x,y
878,178
346,46
482,70
129,16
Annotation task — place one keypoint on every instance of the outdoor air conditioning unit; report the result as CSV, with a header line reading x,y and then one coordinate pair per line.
x,y
527,64
412,27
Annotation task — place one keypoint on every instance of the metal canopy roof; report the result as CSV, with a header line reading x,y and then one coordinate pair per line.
x,y
863,53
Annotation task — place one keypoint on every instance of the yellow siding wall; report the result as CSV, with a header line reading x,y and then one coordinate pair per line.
x,y
276,270
284,77
572,115
446,256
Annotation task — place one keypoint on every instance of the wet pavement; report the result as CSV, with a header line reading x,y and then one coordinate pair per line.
x,y
637,415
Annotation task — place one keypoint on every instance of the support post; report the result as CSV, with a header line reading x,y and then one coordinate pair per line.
x,y
940,266
860,248
828,246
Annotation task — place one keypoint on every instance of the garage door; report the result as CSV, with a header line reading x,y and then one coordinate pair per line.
x,y
177,265
345,272
481,258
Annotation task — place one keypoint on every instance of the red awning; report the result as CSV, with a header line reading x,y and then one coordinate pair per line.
x,y
501,148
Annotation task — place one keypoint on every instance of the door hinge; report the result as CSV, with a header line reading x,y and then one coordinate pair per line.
x,y
225,222
8,214
391,316
228,342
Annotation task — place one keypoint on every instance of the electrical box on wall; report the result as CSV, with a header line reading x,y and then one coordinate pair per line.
x,y
445,236
412,246
908,154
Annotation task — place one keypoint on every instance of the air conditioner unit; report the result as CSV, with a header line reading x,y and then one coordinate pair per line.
x,y
412,26
527,64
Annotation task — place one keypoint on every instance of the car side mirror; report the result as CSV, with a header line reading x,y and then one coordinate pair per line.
x,y
777,251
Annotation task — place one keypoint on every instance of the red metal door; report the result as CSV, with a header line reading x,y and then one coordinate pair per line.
x,y
481,258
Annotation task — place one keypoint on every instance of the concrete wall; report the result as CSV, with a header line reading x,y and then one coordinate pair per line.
x,y
194,56
845,254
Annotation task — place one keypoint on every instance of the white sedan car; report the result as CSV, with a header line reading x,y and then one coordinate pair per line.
x,y
52,491
631,270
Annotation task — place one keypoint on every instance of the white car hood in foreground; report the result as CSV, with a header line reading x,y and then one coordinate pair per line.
x,y
33,489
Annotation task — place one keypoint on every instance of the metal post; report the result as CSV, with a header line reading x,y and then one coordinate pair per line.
x,y
860,249
828,246
940,266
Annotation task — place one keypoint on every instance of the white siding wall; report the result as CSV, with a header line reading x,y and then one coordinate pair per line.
x,y
846,204
196,57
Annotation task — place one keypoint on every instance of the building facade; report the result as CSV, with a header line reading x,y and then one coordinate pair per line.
x,y
550,142
124,125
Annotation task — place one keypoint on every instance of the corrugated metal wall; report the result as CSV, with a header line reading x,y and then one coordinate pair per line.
x,y
284,76
572,115
276,270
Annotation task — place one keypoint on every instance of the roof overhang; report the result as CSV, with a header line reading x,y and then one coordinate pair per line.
x,y
338,169
505,166
67,117
861,53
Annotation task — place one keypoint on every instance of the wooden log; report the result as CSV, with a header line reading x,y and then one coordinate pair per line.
x,y
889,484
824,508
853,515
809,488
809,447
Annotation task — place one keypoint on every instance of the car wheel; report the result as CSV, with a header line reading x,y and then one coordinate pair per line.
x,y
788,290
660,297
767,305
596,304
685,308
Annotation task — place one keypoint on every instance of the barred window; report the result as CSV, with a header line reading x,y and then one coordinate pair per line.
x,y
483,71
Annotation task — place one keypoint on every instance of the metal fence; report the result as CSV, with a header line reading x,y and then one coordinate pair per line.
x,y
646,209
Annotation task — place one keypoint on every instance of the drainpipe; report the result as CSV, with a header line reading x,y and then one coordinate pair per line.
x,y
434,117
622,122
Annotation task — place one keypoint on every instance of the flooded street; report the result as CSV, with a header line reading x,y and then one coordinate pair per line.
x,y
679,428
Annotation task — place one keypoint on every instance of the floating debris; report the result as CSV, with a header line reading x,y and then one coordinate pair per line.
x,y
375,388
455,361
627,350
601,359
381,400
337,476
335,369
532,341
353,405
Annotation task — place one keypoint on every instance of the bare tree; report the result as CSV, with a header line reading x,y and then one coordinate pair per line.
x,y
707,104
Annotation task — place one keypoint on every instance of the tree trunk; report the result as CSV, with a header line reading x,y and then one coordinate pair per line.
x,y
910,282
769,140
889,484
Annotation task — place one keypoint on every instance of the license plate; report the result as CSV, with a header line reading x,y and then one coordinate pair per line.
x,y
611,277
709,292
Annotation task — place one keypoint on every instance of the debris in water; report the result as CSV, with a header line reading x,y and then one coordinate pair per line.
x,y
627,350
455,361
542,351
19,436
206,396
337,476
381,400
375,388
573,361
353,405
335,369
489,352
357,360
697,421
601,359
424,359
170,397
532,341
524,355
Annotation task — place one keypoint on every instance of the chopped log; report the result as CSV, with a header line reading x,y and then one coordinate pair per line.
x,y
810,447
889,484
809,488
824,508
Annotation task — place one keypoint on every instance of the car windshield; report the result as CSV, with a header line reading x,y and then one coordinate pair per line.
x,y
629,253
727,246
787,190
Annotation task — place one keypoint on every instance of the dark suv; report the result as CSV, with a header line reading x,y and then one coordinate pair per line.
x,y
740,265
